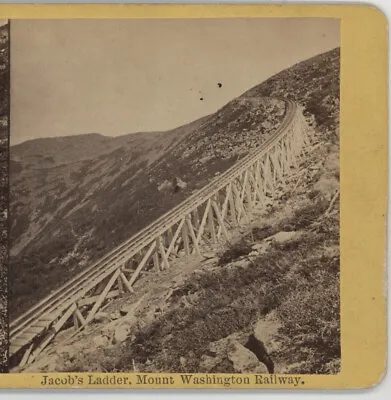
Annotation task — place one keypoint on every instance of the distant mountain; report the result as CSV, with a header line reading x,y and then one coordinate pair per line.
x,y
49,152
75,198
53,178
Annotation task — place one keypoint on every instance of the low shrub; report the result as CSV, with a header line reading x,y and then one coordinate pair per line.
x,y
236,250
311,323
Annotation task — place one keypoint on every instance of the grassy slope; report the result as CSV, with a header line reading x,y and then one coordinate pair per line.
x,y
294,284
4,104
74,199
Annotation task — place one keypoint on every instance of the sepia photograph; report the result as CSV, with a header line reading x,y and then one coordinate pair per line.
x,y
4,114
174,195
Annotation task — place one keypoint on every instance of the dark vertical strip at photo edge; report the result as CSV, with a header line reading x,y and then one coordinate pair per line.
x,y
4,367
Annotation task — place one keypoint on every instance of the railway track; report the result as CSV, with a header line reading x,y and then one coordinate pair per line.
x,y
241,186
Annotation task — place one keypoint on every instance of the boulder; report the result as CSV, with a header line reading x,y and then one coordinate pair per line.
x,y
266,328
262,247
327,186
282,237
243,360
213,260
118,330
179,184
220,346
258,349
131,308
69,351
101,341
115,315
331,252
207,362
165,185
208,255
183,362
125,309
121,333
109,329
102,317
129,319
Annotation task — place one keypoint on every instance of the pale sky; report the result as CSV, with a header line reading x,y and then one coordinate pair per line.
x,y
116,77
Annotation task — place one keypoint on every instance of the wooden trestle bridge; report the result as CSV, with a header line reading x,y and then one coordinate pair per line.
x,y
205,217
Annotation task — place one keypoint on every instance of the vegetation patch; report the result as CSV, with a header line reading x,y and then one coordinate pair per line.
x,y
286,281
235,251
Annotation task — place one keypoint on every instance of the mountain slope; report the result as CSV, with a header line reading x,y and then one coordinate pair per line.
x,y
75,198
314,83
277,280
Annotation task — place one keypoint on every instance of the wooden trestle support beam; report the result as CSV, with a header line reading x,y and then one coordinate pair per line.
x,y
203,219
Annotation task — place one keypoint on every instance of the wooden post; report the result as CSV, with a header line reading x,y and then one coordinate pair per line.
x,y
244,186
276,163
239,204
185,237
267,174
155,258
26,355
224,209
171,247
64,318
273,167
252,189
292,152
193,236
170,235
142,263
79,315
102,296
120,284
260,182
249,196
196,218
42,345
232,206
211,225
126,282
162,253
203,222
76,324
255,189
220,219
283,158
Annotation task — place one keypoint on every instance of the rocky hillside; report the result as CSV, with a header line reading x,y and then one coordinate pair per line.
x,y
4,107
268,301
75,198
314,83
